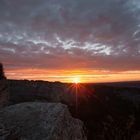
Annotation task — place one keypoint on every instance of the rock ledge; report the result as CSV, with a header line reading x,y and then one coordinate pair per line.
x,y
39,121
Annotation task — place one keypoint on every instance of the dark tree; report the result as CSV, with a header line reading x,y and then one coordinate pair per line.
x,y
2,76
4,92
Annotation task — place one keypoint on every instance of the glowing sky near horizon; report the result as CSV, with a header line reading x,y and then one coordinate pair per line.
x,y
58,40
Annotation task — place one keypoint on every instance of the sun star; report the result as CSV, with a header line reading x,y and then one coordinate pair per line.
x,y
76,80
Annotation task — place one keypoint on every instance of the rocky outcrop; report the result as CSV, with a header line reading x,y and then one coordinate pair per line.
x,y
39,121
4,94
27,91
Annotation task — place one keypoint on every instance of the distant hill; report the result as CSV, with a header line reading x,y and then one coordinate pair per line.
x,y
124,84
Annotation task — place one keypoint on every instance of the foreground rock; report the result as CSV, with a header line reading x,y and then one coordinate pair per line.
x,y
39,121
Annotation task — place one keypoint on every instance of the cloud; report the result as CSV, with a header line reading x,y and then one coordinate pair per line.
x,y
69,34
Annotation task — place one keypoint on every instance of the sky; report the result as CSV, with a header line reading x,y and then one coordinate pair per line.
x,y
58,40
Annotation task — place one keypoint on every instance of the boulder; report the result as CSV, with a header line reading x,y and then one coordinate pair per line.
x,y
39,121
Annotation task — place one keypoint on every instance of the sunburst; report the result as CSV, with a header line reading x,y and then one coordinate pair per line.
x,y
76,80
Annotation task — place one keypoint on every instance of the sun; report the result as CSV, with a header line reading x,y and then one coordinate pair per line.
x,y
76,80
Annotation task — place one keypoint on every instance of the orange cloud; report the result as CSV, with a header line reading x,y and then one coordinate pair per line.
x,y
86,76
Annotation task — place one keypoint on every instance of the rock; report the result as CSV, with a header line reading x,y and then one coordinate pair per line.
x,y
4,94
43,91
39,121
28,91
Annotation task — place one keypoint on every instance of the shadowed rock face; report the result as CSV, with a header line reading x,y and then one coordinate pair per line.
x,y
4,94
39,121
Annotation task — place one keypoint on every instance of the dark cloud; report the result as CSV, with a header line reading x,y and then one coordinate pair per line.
x,y
52,34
